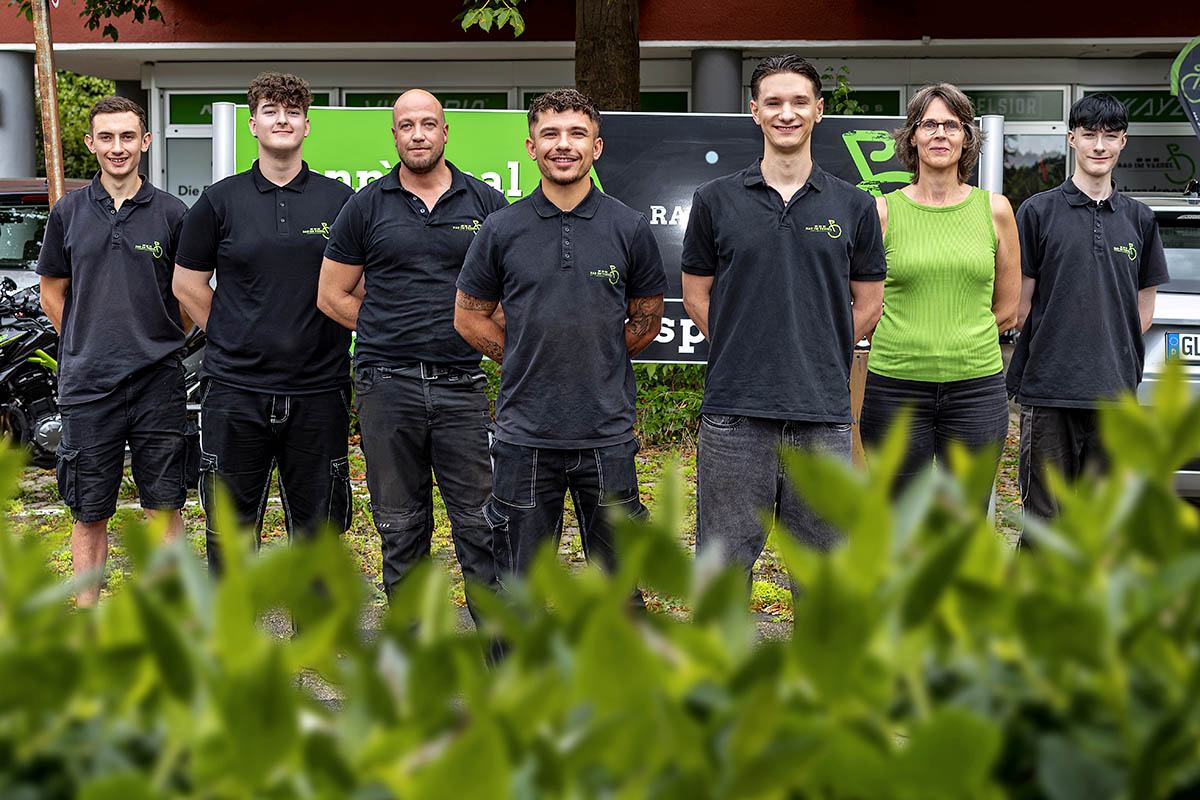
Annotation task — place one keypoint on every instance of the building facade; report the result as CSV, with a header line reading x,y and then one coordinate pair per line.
x,y
1026,61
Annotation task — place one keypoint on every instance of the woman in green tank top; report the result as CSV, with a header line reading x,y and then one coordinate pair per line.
x,y
953,283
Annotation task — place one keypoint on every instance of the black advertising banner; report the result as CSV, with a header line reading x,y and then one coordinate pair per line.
x,y
1185,82
654,162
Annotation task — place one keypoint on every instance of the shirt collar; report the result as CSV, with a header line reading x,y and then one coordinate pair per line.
x,y
296,184
754,176
586,208
1076,197
100,194
391,181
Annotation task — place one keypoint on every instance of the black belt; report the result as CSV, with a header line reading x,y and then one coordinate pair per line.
x,y
424,370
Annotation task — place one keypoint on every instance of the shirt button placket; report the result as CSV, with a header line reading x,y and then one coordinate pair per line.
x,y
565,221
282,227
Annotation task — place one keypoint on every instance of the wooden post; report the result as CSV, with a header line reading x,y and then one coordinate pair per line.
x,y
858,382
43,45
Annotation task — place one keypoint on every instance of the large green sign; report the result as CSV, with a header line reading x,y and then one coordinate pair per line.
x,y
355,146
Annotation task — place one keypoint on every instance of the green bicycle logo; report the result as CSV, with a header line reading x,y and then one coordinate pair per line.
x,y
610,273
1176,159
832,229
315,231
153,249
473,227
1190,85
1127,249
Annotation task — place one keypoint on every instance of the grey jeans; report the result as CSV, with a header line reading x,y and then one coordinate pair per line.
x,y
740,479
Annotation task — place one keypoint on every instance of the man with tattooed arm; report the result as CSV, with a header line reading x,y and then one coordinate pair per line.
x,y
581,282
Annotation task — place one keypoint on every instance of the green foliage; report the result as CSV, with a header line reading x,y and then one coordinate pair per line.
x,y
486,13
76,96
841,101
97,12
928,660
669,398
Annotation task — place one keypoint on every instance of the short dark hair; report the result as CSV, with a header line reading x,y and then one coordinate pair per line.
x,y
1099,112
785,63
289,91
960,106
117,105
564,100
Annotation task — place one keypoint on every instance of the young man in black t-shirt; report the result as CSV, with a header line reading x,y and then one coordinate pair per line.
x,y
1091,260
106,285
783,269
581,282
422,405
276,370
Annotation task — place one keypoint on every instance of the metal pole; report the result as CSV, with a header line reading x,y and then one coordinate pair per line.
x,y
223,142
991,160
48,91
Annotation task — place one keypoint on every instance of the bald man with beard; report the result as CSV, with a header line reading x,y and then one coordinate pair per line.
x,y
418,386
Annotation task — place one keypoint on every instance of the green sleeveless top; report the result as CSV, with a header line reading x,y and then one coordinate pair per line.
x,y
937,322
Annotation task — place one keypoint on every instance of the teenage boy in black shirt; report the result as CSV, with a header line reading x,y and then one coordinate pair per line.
x,y
106,285
418,385
276,370
1091,260
783,269
581,282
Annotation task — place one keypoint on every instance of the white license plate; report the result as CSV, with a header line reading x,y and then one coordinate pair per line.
x,y
1184,347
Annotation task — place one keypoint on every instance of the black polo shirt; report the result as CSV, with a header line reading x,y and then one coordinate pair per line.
x,y
1082,340
266,243
565,279
411,257
120,315
781,331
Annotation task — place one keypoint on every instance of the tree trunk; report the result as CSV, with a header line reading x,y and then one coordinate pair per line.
x,y
607,61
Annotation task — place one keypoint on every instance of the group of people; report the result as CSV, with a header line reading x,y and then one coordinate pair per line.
x,y
785,268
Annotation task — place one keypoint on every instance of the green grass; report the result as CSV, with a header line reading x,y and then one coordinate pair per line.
x,y
770,594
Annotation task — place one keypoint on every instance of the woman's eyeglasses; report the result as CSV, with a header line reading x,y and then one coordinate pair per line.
x,y
930,126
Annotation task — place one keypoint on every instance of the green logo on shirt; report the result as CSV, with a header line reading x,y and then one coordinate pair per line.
x,y
153,249
1127,249
315,231
610,273
473,227
833,229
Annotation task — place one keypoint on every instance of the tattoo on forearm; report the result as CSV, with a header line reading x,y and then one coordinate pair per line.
x,y
643,312
491,349
469,303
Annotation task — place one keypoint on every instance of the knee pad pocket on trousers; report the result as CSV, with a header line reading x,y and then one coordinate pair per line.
x,y
340,505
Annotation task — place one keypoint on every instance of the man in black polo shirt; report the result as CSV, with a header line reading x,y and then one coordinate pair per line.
x,y
581,282
276,370
417,384
1083,308
783,269
106,285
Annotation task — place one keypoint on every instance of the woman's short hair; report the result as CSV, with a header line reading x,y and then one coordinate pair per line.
x,y
960,106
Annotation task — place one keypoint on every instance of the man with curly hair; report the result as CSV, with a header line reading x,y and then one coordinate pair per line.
x,y
276,373
581,282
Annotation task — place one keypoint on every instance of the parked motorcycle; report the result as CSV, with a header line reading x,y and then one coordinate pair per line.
x,y
29,415
28,374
